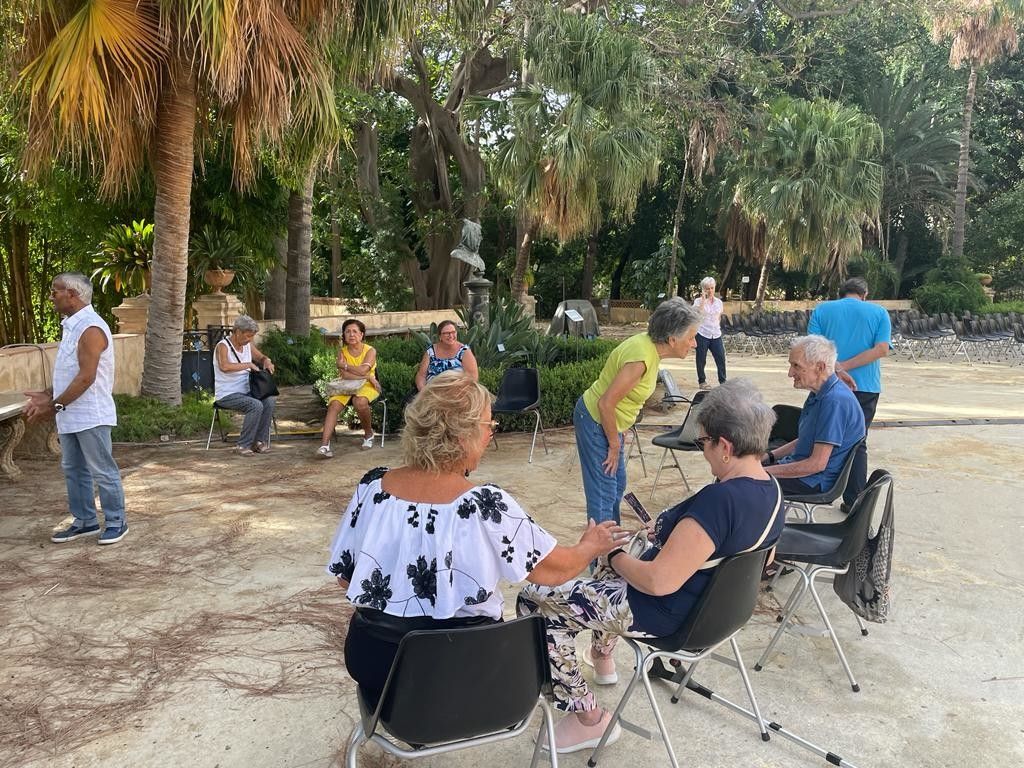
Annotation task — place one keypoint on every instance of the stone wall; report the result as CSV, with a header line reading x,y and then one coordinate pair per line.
x,y
624,315
29,368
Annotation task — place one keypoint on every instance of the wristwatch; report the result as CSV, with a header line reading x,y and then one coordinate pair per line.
x,y
59,407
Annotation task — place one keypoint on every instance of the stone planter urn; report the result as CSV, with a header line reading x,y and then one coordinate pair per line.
x,y
985,279
218,278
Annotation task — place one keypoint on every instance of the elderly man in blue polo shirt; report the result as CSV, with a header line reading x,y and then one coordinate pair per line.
x,y
831,423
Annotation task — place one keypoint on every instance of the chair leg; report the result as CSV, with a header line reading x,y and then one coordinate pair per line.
x,y
617,714
537,425
658,474
861,624
832,634
213,421
645,678
384,422
547,731
787,615
639,449
750,690
678,466
356,740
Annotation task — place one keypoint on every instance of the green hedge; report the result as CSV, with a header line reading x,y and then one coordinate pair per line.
x,y
142,419
1002,307
292,355
560,386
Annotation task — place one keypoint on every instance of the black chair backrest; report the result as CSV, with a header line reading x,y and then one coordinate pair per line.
x,y
787,423
855,526
844,474
726,604
453,684
688,431
520,386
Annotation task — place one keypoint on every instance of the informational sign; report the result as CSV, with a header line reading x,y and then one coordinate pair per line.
x,y
573,315
745,279
501,347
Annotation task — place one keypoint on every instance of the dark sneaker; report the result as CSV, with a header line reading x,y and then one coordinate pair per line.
x,y
113,535
74,532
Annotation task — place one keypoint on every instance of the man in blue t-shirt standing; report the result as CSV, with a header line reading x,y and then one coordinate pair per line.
x,y
862,333
831,422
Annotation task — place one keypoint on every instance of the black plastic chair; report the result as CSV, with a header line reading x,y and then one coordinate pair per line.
x,y
725,606
453,689
787,425
819,549
680,439
519,392
806,503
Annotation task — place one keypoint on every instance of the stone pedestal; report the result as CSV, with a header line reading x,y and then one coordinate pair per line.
x,y
530,306
478,298
133,314
217,309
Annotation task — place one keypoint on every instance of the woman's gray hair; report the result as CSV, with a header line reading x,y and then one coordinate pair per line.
x,y
77,282
442,421
245,324
816,349
706,282
673,317
736,411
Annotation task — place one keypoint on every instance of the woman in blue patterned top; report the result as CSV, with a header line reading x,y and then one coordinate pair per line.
x,y
423,547
448,354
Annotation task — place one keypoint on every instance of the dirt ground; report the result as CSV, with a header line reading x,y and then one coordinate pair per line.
x,y
211,636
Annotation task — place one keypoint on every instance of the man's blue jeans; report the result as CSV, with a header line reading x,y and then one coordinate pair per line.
x,y
259,414
603,492
88,463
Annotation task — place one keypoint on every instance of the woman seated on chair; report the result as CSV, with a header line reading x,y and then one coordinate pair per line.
x,y
423,547
652,593
447,354
356,360
233,358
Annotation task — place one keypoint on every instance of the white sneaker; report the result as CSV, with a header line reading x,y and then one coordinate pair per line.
x,y
367,443
324,452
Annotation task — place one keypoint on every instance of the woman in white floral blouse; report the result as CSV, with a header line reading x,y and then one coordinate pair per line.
x,y
423,547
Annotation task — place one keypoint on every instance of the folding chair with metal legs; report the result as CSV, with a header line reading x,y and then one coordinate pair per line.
x,y
216,421
639,449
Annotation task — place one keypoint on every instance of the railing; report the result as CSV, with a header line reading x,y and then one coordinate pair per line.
x,y
197,357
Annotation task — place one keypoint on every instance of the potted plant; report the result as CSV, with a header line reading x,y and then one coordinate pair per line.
x,y
124,258
215,253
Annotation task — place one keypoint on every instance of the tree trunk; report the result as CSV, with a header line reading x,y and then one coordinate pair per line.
x,y
727,272
173,161
677,224
300,237
900,260
526,231
335,245
589,265
274,306
21,289
762,284
960,200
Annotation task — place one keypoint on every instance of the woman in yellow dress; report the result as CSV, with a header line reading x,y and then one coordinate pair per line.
x,y
356,360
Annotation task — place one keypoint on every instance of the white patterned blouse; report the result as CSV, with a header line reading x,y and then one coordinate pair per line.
x,y
440,560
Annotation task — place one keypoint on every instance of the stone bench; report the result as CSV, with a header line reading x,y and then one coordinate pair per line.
x,y
12,429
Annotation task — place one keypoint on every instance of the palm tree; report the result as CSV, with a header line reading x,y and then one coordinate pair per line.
x,y
581,141
919,162
811,178
114,82
981,33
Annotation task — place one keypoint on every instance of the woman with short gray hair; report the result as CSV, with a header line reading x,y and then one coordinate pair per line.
x,y
709,335
612,403
233,358
650,592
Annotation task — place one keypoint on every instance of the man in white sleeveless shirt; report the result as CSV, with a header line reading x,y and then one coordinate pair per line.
x,y
82,402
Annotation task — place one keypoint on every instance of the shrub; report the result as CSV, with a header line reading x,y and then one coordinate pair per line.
x,y
950,287
1003,307
292,355
143,419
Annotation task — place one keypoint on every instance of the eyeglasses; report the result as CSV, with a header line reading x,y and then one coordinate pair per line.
x,y
700,442
449,333
491,424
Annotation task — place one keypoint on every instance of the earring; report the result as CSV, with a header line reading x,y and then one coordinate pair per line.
x,y
725,459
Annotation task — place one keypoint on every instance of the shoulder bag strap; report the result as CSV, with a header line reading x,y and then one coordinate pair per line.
x,y
764,534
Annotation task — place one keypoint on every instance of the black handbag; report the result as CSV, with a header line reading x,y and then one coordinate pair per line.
x,y
261,382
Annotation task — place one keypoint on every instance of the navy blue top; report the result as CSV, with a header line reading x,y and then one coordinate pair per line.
x,y
831,415
733,514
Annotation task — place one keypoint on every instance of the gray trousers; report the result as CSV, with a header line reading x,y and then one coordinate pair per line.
x,y
259,414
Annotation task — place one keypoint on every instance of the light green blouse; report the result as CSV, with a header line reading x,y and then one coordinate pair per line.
x,y
637,348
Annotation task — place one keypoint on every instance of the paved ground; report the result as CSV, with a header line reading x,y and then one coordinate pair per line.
x,y
210,636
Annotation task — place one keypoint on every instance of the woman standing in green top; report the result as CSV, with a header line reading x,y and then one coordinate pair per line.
x,y
611,404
